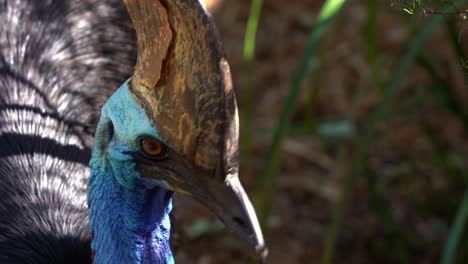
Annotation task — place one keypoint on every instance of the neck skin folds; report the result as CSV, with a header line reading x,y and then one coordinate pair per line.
x,y
129,225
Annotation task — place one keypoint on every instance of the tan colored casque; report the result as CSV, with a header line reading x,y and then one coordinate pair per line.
x,y
184,83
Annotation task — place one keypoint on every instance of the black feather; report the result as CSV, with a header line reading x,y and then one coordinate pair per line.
x,y
59,61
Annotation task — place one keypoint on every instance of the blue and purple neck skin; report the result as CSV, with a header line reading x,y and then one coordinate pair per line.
x,y
129,215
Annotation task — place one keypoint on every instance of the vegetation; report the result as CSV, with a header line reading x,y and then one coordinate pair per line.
x,y
359,132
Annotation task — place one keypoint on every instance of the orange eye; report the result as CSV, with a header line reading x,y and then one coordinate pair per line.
x,y
152,147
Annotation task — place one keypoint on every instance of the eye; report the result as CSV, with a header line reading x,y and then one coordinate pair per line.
x,y
153,147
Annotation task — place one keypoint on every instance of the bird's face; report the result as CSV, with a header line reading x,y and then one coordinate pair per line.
x,y
175,123
132,147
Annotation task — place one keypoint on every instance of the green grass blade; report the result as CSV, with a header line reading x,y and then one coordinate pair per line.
x,y
251,31
384,212
266,181
445,95
461,219
457,46
371,30
362,151
370,36
247,132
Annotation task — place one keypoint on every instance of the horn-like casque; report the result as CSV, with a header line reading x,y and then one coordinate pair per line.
x,y
183,81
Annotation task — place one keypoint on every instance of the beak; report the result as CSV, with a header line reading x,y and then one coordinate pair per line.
x,y
219,190
231,204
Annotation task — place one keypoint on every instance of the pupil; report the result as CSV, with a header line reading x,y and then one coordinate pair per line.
x,y
154,147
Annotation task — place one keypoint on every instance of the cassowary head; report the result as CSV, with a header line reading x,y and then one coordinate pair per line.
x,y
175,122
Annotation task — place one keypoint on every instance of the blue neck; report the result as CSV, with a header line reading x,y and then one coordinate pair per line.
x,y
129,225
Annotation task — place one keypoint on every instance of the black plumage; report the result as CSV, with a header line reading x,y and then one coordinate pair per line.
x,y
59,62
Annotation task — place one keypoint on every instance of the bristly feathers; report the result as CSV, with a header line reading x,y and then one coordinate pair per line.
x,y
59,61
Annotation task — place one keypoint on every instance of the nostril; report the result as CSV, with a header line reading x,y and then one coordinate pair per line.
x,y
240,222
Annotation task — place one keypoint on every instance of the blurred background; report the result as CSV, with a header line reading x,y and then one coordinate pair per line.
x,y
354,132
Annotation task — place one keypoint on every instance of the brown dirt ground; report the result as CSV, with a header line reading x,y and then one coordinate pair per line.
x,y
312,172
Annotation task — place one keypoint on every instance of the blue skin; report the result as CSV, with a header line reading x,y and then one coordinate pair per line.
x,y
129,215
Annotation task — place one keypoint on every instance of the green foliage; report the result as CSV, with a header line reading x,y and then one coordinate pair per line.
x,y
266,181
247,133
449,253
359,164
415,7
346,131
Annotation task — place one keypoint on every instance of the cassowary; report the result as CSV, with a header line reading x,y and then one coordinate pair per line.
x,y
171,127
